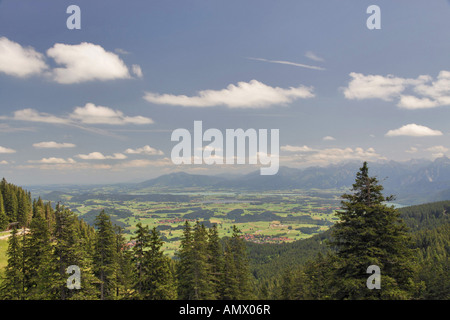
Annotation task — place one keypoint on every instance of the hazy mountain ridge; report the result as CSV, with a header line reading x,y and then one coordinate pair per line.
x,y
413,181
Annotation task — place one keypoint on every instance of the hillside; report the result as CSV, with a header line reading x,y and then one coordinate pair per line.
x,y
429,227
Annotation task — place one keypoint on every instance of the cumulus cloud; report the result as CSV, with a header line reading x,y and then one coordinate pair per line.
x,y
412,150
19,61
289,148
424,91
75,63
413,130
376,86
307,156
144,150
328,138
92,114
53,160
35,116
86,62
53,145
4,162
437,149
140,163
89,114
6,150
100,156
253,94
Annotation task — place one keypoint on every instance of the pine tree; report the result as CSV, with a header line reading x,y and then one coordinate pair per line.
x,y
237,279
185,274
3,217
10,201
125,272
141,244
371,233
201,268
24,208
215,261
12,285
105,257
37,250
159,280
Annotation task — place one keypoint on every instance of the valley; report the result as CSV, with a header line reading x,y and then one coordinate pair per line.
x,y
263,217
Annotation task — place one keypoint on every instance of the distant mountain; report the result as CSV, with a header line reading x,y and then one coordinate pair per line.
x,y
181,180
413,182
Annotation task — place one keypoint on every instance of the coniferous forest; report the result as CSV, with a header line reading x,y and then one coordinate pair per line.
x,y
410,246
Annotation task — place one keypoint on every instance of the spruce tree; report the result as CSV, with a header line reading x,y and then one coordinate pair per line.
x,y
12,285
201,269
125,272
141,244
215,261
105,257
3,217
371,233
37,250
159,280
237,278
185,274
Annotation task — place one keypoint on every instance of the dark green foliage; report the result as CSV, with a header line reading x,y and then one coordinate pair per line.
x,y
236,275
371,233
411,245
154,277
105,256
12,287
3,217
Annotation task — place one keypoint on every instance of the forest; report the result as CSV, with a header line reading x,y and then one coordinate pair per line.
x,y
410,245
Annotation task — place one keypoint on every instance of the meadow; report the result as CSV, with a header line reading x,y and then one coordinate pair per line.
x,y
272,217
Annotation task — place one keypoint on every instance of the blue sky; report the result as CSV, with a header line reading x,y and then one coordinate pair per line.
x,y
98,105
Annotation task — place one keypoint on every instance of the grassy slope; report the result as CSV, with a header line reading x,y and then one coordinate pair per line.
x,y
3,261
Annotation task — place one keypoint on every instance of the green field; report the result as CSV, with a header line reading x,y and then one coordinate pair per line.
x,y
272,217
3,260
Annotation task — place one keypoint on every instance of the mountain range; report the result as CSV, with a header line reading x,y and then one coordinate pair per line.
x,y
412,182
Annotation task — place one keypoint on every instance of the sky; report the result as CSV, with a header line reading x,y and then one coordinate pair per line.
x,y
99,104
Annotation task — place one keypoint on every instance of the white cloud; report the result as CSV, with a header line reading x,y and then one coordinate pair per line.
x,y
328,138
86,62
35,116
289,148
137,71
253,94
306,156
413,130
89,114
376,86
412,102
92,114
100,156
144,150
437,149
53,145
53,160
427,93
295,64
6,150
4,162
412,150
18,61
311,55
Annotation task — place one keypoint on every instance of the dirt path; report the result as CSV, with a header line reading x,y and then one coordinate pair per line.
x,y
19,232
